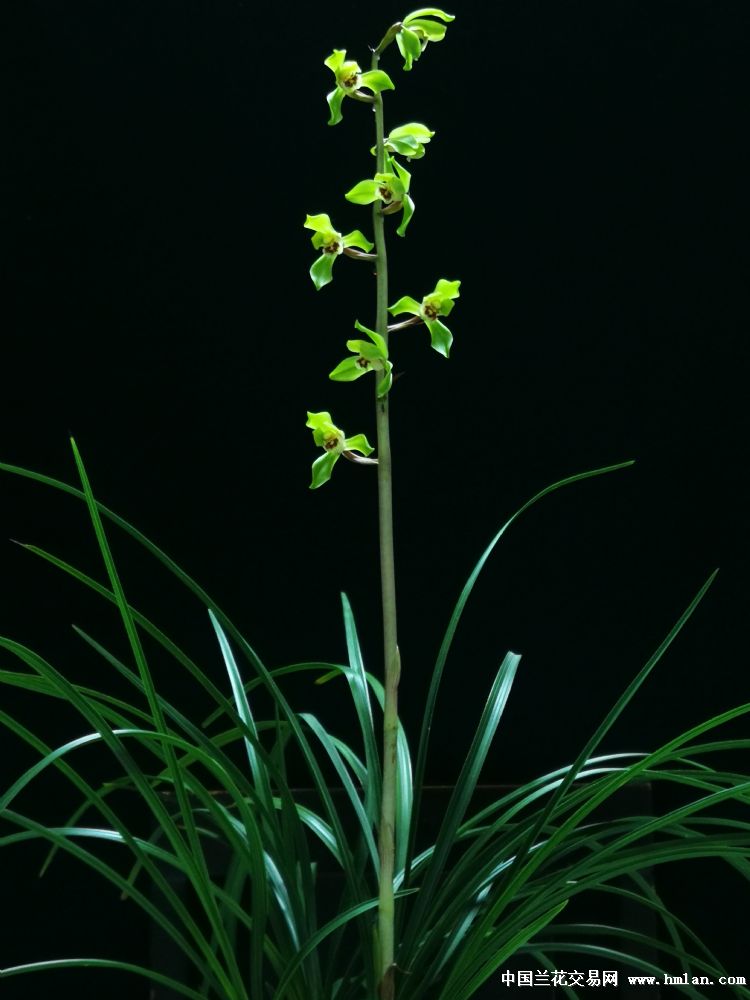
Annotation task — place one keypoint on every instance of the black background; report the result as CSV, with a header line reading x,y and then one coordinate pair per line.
x,y
587,184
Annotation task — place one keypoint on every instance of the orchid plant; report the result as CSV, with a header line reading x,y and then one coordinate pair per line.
x,y
411,920
389,193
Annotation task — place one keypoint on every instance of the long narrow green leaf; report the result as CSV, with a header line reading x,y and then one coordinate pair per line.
x,y
462,795
6,799
117,590
437,673
295,858
619,959
315,773
332,669
357,681
110,706
659,823
260,775
211,744
91,713
467,977
581,931
141,782
461,880
314,942
527,863
353,880
194,857
363,820
31,829
676,928
545,962
98,802
141,621
594,873
101,963
494,838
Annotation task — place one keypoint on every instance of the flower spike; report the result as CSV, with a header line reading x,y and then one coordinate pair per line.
x,y
331,438
331,245
439,302
350,80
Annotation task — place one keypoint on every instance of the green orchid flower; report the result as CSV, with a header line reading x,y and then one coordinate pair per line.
x,y
408,140
332,439
440,302
350,80
331,245
369,358
390,187
417,30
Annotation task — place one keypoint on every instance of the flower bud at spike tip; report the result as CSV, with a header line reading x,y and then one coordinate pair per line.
x,y
417,30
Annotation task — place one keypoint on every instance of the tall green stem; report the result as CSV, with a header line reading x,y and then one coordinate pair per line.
x,y
392,668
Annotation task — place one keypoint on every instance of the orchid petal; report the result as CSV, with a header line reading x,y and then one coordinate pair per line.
x,y
403,174
409,46
320,223
376,81
335,100
322,468
428,12
359,443
348,370
408,212
321,271
406,304
336,59
364,193
431,31
440,336
322,427
448,289
374,337
357,239
384,385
